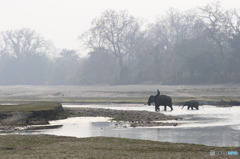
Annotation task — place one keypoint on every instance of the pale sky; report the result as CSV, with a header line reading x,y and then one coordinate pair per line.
x,y
63,21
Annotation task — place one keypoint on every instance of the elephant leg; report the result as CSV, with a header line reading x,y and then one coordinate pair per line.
x,y
170,106
165,108
188,107
157,108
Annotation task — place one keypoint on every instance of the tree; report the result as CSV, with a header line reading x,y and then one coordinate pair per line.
x,y
115,32
25,56
22,42
166,34
65,69
212,16
235,45
232,29
99,68
197,46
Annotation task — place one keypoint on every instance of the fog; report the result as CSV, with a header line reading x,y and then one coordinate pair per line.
x,y
200,46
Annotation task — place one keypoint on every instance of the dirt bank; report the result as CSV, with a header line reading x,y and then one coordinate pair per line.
x,y
12,117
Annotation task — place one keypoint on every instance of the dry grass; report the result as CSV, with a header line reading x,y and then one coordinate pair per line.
x,y
29,114
117,94
53,147
36,106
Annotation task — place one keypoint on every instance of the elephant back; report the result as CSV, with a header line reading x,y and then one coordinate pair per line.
x,y
164,99
191,103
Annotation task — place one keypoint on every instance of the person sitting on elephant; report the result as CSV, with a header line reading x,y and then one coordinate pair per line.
x,y
158,94
160,100
191,104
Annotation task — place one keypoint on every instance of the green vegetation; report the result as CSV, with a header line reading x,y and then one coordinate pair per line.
x,y
30,107
30,114
52,147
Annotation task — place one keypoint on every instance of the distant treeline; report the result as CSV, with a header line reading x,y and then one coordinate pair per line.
x,y
200,46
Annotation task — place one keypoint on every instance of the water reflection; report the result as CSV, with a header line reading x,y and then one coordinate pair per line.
x,y
214,136
80,127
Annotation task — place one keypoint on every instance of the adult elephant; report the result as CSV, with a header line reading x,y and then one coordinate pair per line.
x,y
191,104
160,100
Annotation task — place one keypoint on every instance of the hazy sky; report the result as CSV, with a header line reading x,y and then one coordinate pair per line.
x,y
62,21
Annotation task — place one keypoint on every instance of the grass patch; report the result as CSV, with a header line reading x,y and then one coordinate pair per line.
x,y
83,100
30,114
111,100
30,107
211,100
51,147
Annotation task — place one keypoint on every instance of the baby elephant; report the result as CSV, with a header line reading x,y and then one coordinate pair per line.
x,y
191,104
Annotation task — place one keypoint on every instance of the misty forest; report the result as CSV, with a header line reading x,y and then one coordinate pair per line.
x,y
199,46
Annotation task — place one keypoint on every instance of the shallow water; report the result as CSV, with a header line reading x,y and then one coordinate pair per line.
x,y
210,125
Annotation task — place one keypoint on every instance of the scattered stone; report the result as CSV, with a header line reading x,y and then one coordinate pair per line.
x,y
125,118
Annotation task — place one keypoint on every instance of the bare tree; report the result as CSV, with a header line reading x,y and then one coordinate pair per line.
x,y
166,34
23,42
213,16
232,22
25,55
232,29
115,32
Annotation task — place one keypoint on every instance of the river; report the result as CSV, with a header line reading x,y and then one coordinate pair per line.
x,y
210,125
